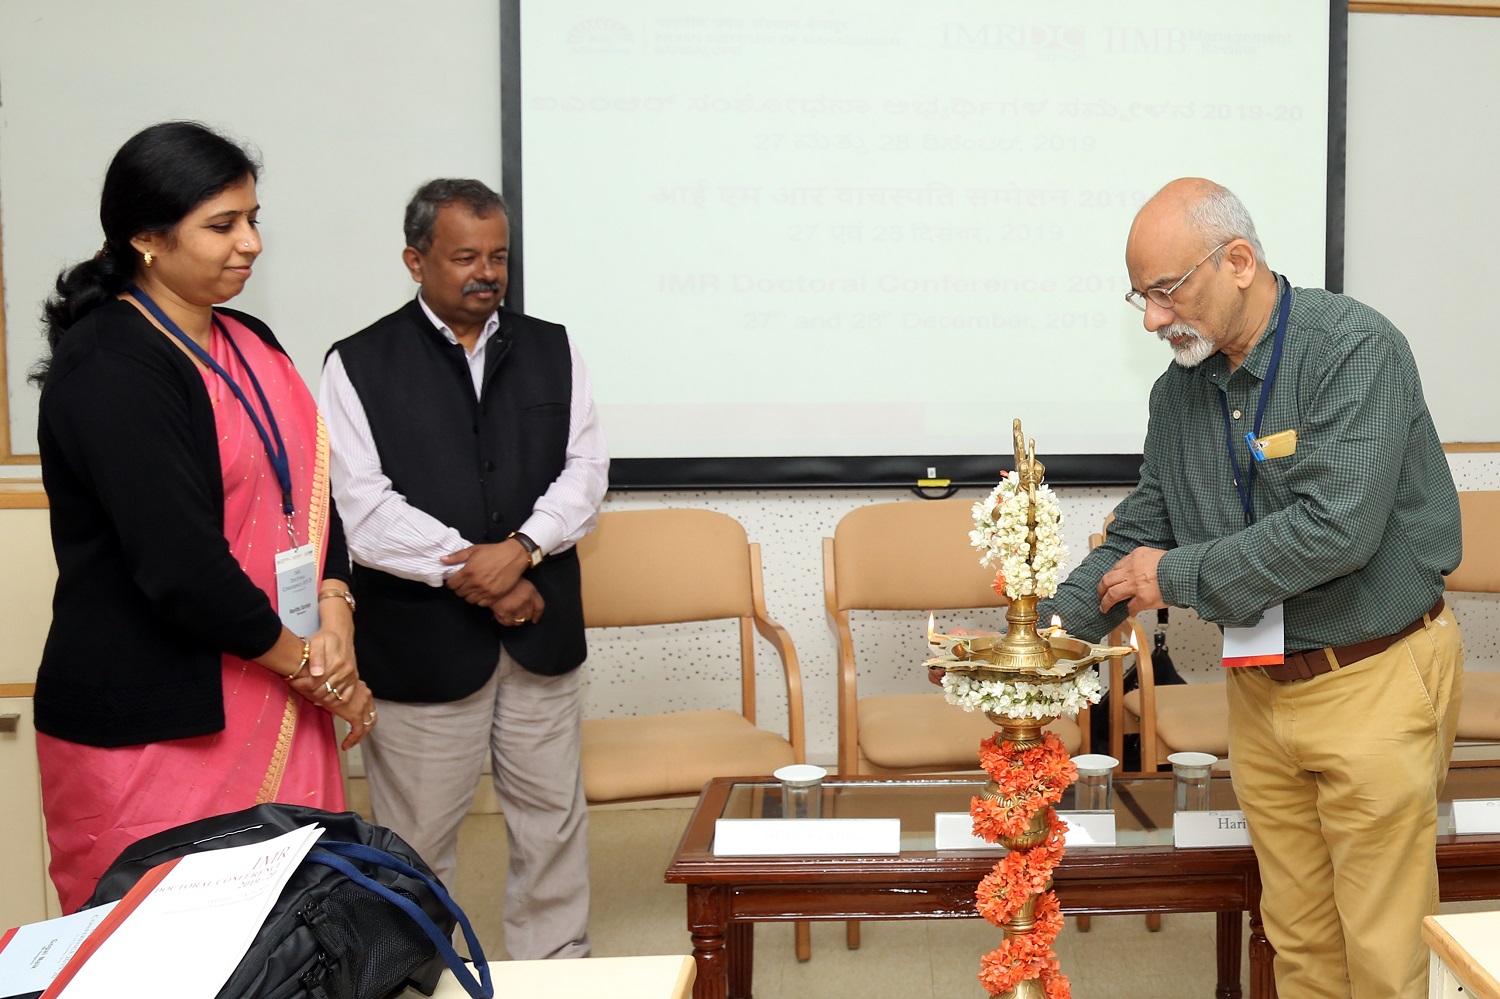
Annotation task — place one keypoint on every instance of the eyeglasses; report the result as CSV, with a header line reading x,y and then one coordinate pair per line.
x,y
1163,296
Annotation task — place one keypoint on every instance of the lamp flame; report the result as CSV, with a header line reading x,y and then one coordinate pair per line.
x,y
1134,645
1057,621
931,620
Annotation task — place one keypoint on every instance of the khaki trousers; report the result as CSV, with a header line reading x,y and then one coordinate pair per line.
x,y
423,762
1339,777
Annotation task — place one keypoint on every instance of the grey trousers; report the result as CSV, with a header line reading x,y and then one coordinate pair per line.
x,y
423,762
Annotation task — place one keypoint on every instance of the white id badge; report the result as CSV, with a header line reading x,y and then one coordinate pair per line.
x,y
1263,644
297,589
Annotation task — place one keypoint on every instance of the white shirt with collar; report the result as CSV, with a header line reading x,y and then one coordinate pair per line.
x,y
386,532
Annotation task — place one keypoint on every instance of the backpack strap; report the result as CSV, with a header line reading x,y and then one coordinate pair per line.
x,y
333,853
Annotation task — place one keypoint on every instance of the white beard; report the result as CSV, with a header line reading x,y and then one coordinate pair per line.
x,y
1198,348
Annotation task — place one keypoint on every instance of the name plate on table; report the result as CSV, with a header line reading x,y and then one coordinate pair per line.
x,y
799,837
1227,828
1473,816
955,831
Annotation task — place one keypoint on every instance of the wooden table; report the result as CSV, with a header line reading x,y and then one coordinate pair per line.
x,y
726,896
1465,955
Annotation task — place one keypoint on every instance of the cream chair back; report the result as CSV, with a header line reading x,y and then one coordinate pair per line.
x,y
665,567
910,556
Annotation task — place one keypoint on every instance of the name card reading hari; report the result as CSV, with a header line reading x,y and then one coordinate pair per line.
x,y
1213,828
807,837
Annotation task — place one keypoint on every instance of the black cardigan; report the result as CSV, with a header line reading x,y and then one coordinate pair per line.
x,y
149,595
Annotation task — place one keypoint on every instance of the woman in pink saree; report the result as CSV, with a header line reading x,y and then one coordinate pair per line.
x,y
202,634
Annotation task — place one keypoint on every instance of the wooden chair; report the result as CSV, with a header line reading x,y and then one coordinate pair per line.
x,y
1187,717
911,555
1479,572
647,567
673,566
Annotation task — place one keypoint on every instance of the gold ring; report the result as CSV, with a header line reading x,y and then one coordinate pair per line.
x,y
328,686
520,620
370,719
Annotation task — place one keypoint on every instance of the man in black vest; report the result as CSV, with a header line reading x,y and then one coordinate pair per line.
x,y
467,462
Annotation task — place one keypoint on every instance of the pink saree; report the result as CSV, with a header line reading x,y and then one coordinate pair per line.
x,y
274,746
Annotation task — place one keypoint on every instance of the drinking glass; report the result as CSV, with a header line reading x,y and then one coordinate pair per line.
x,y
1190,777
1094,791
801,790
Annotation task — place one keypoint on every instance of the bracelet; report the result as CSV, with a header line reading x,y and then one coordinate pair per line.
x,y
306,655
343,595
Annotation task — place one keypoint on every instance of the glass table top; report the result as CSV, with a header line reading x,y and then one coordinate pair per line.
x,y
1142,805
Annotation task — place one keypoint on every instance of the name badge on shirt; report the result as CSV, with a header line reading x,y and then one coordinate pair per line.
x,y
1263,644
1273,445
297,589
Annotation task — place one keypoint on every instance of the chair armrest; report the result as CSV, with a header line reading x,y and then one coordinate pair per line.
x,y
843,639
781,641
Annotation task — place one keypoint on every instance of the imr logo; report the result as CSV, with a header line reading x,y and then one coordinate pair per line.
x,y
1014,37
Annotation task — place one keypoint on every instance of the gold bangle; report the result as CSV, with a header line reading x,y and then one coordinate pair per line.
x,y
306,655
343,595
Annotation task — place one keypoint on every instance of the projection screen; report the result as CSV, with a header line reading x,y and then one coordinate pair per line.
x,y
847,242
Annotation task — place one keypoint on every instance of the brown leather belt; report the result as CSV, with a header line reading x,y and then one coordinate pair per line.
x,y
1315,662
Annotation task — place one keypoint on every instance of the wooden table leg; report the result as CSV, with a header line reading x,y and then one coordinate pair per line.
x,y
741,959
708,923
1262,954
1229,937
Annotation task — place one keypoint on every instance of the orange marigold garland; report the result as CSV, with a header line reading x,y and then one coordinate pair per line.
x,y
1029,780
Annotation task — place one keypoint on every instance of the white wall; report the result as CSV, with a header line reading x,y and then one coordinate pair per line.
x,y
1424,134
350,103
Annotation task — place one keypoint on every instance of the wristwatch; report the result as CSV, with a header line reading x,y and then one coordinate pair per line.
x,y
534,552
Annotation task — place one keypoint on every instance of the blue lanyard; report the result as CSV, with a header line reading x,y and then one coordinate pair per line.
x,y
275,449
1244,484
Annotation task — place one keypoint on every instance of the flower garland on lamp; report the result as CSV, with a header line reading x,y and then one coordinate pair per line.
x,y
1021,681
1014,895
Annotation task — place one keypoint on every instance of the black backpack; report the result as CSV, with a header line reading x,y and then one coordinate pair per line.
x,y
362,917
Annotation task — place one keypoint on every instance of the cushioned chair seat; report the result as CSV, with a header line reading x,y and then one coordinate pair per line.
x,y
1479,712
1190,717
663,755
923,732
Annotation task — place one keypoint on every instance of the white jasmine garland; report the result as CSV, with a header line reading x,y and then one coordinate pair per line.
x,y
1000,528
1020,699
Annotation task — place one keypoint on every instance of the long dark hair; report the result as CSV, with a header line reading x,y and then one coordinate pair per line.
x,y
160,175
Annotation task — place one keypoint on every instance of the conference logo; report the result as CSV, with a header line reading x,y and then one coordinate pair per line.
x,y
601,34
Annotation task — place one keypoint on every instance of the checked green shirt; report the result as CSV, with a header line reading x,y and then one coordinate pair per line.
x,y
1353,532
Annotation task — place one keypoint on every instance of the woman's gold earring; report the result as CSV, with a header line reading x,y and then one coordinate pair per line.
x,y
147,258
